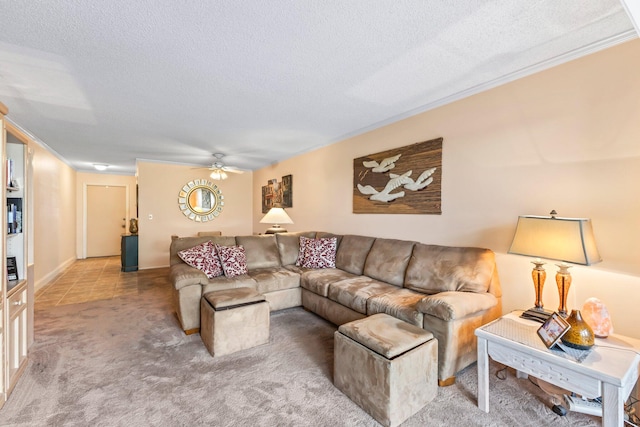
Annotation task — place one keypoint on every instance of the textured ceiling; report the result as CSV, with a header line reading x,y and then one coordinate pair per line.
x,y
261,81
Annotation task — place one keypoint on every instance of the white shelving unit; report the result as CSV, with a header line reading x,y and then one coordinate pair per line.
x,y
16,298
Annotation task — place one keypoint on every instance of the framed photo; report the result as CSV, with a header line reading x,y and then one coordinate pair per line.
x,y
12,268
553,329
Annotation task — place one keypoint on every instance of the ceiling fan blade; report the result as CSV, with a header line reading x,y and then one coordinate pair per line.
x,y
233,170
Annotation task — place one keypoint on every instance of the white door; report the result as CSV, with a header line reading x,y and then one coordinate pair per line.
x,y
106,219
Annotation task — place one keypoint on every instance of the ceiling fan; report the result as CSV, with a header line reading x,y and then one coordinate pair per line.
x,y
219,169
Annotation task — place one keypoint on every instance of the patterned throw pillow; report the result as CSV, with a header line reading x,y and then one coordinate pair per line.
x,y
319,253
303,246
204,258
234,260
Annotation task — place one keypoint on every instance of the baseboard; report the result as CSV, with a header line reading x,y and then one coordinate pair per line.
x,y
39,284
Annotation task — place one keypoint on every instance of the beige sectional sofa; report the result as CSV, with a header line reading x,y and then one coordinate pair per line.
x,y
449,291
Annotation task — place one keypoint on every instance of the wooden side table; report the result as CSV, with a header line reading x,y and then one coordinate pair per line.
x,y
129,252
610,370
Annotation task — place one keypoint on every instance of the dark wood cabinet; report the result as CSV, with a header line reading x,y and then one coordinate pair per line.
x,y
129,252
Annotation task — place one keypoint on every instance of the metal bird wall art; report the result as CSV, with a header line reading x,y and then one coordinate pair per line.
x,y
403,180
396,181
384,166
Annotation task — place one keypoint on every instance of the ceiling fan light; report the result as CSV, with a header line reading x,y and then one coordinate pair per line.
x,y
218,175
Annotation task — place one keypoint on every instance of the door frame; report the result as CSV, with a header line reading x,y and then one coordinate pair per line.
x,y
84,210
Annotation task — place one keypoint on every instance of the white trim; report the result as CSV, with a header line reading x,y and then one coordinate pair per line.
x,y
84,221
38,141
52,274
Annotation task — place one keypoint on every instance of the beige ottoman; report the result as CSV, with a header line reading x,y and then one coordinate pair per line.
x,y
387,366
233,319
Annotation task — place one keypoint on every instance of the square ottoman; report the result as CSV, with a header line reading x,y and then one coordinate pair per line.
x,y
387,366
233,319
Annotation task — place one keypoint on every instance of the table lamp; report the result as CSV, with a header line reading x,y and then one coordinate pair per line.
x,y
569,240
276,216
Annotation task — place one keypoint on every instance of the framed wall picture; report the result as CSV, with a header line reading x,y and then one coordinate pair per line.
x,y
277,194
406,180
287,191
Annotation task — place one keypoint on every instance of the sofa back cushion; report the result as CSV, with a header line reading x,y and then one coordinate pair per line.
x,y
261,251
325,235
352,253
388,259
181,243
289,245
433,269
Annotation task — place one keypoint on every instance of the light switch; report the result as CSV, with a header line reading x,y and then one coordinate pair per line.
x,y
150,216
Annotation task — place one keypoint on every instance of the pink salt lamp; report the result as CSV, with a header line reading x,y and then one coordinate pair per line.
x,y
597,317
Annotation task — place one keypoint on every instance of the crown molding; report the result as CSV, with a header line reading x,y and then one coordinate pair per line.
x,y
38,141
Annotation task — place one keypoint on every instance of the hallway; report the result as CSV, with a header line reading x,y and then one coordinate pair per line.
x,y
89,279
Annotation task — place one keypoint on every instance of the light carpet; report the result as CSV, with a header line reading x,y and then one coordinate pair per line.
x,y
126,362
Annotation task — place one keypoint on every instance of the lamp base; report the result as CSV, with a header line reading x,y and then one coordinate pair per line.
x,y
537,314
275,230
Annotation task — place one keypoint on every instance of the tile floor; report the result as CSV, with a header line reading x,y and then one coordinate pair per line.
x,y
90,279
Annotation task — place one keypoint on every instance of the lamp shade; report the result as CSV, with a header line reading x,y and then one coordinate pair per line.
x,y
276,216
563,239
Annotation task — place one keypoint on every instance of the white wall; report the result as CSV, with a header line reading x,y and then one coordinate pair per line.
x,y
566,139
54,211
159,185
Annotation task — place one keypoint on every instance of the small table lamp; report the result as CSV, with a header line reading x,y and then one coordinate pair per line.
x,y
276,216
561,239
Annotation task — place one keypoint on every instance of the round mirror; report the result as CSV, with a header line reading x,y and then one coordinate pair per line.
x,y
200,200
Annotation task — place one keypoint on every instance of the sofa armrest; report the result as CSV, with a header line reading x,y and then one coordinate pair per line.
x,y
456,305
184,275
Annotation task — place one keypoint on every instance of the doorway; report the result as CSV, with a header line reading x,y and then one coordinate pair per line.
x,y
106,214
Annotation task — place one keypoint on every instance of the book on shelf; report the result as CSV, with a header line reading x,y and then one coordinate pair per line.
x,y
9,171
12,268
14,219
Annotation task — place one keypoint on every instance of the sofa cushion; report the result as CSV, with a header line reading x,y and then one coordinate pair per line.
x,y
400,303
450,306
274,279
203,257
318,281
352,253
289,245
261,251
354,293
233,259
296,269
317,253
387,260
184,275
433,269
223,282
